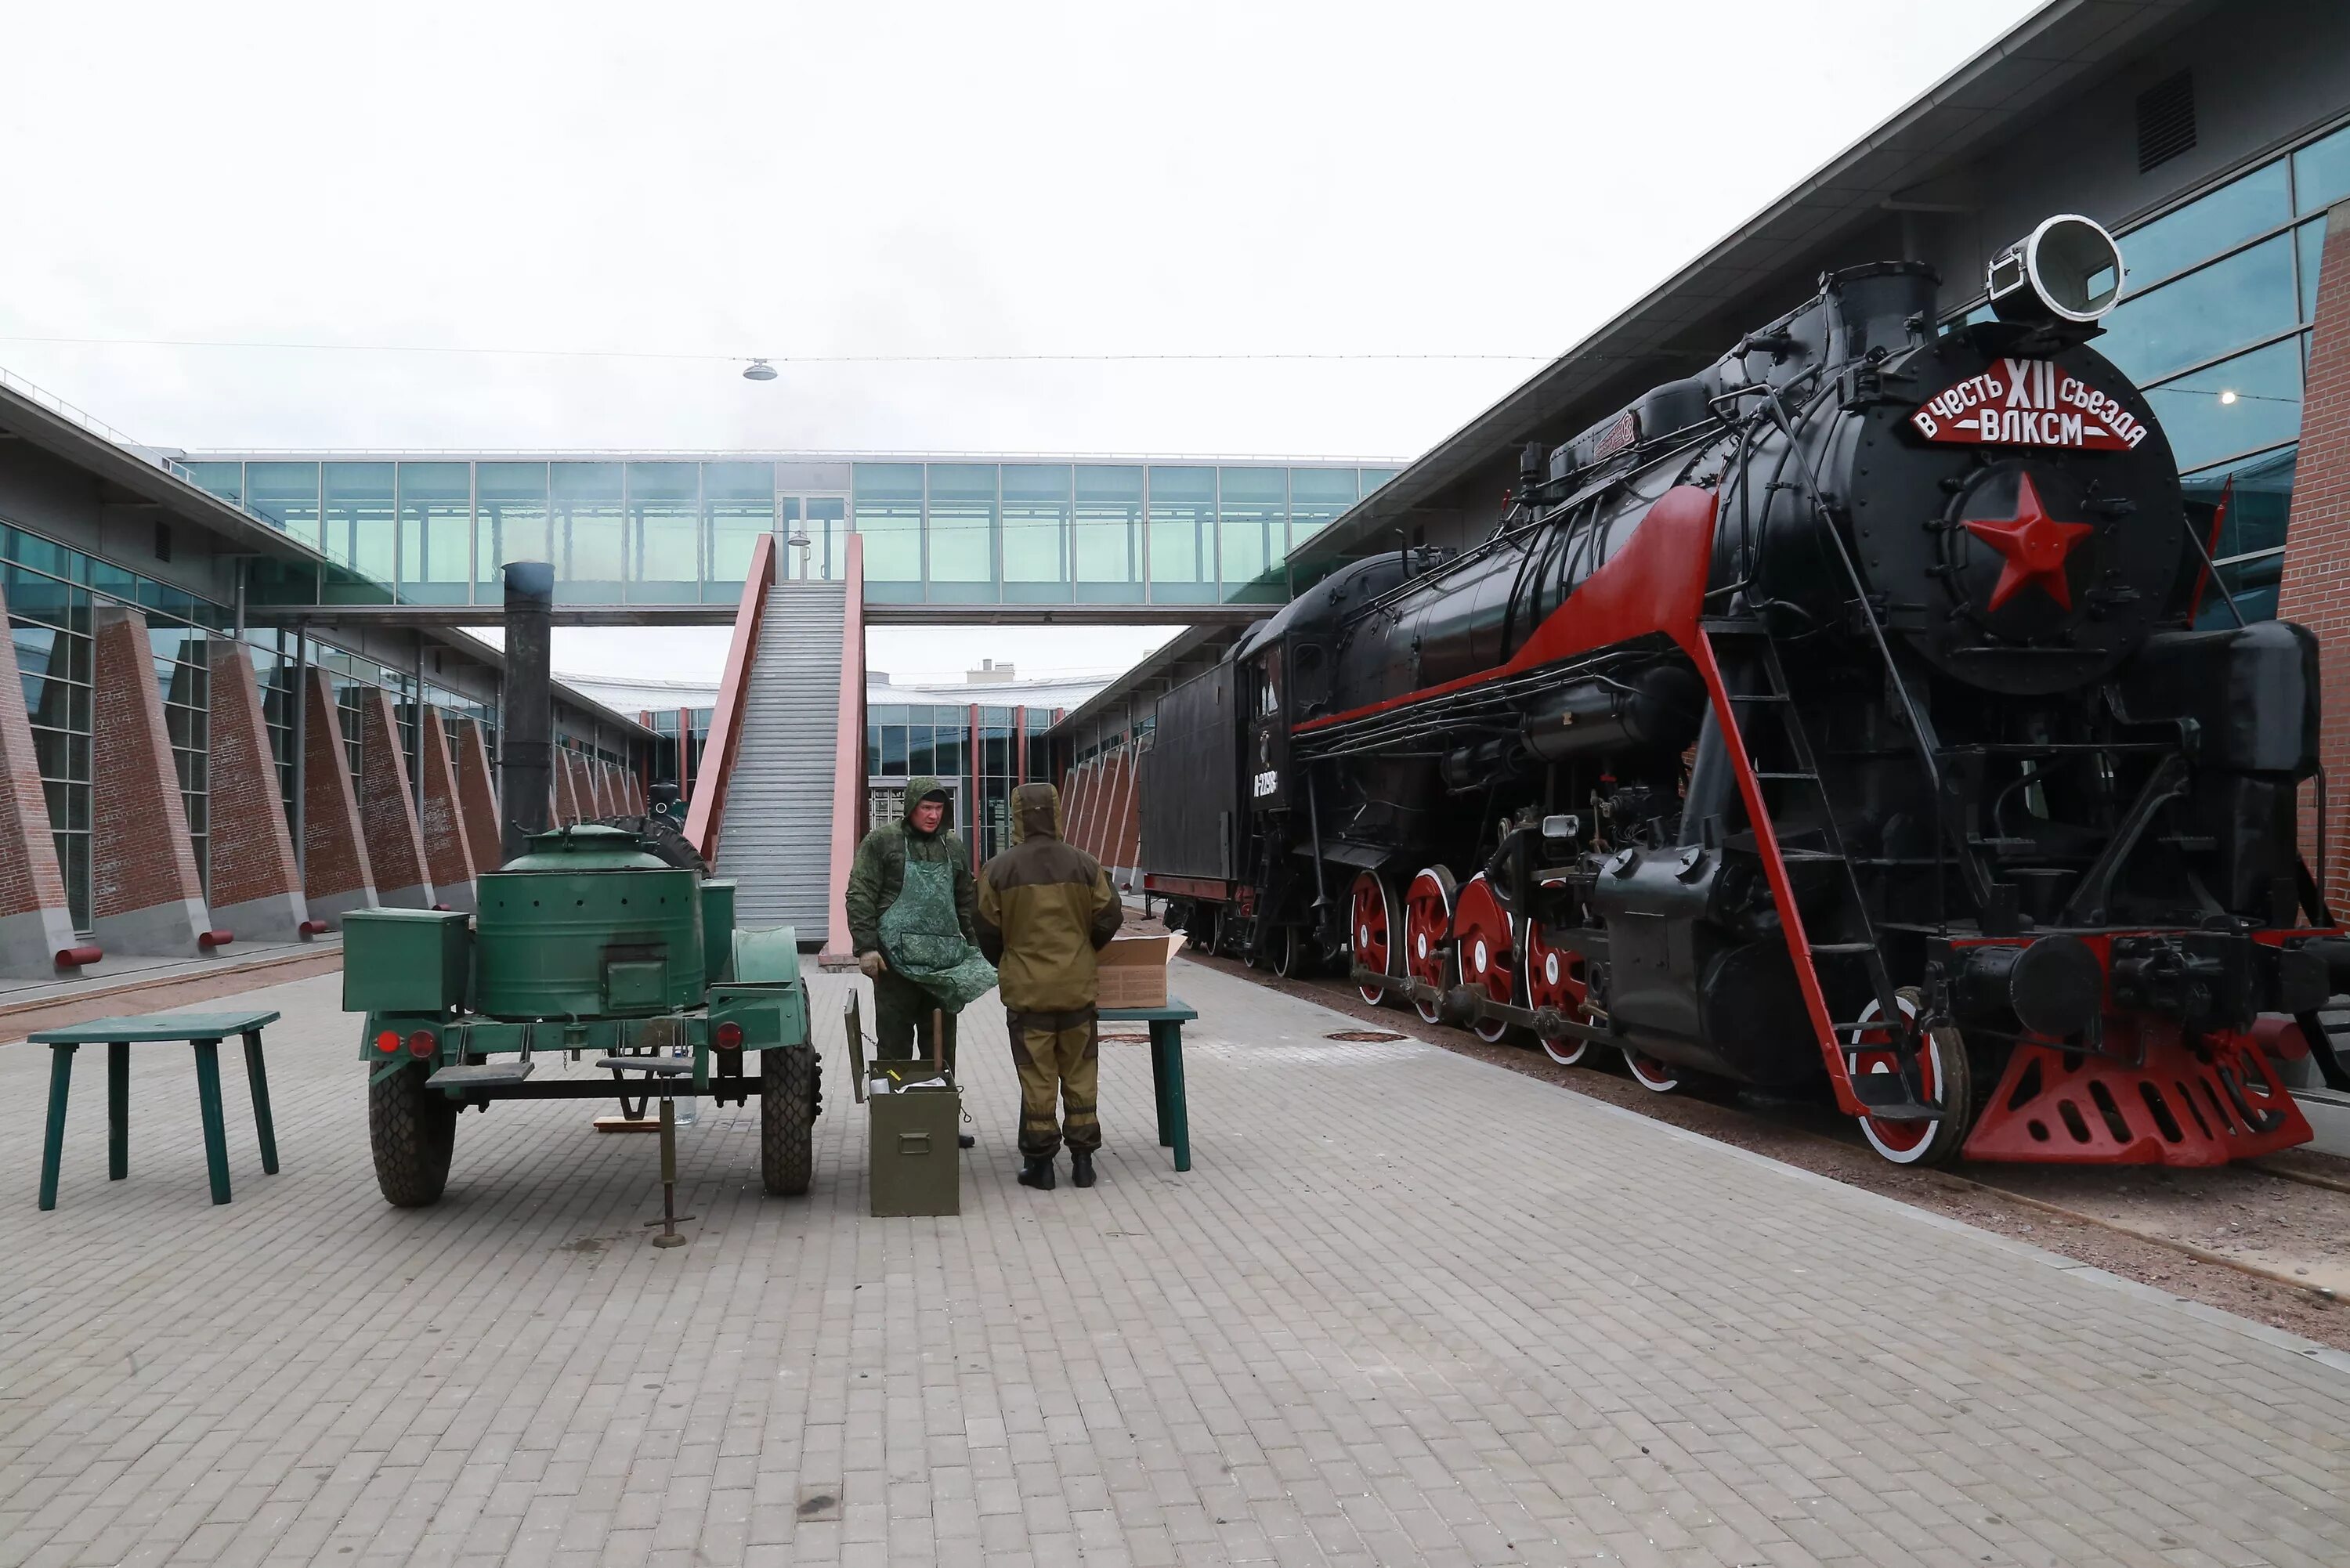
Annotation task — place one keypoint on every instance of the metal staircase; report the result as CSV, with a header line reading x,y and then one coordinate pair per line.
x,y
776,838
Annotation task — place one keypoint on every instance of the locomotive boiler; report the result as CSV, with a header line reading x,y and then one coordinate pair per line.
x,y
1848,718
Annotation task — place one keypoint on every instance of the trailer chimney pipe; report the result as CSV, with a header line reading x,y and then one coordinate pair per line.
x,y
526,722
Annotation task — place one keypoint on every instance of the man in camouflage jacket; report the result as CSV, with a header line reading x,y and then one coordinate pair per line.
x,y
1045,907
902,1009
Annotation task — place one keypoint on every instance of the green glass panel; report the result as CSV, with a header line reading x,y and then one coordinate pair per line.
x,y
510,513
2237,406
961,523
1182,534
1375,477
1106,535
1317,498
286,494
1252,522
1035,522
664,532
889,482
436,531
738,505
589,532
2311,240
892,531
2320,171
2206,226
226,479
362,527
2258,492
2205,312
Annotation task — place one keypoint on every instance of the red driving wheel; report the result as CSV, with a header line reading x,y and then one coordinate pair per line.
x,y
1555,979
1368,933
1487,937
1427,918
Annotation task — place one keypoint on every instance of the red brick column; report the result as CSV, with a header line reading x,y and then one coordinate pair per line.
x,y
567,786
256,887
477,797
145,895
599,788
395,841
36,923
337,876
2316,587
447,856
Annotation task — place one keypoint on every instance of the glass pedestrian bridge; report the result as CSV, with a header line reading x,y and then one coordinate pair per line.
x,y
662,534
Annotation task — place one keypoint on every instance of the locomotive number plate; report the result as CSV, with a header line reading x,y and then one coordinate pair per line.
x,y
2028,402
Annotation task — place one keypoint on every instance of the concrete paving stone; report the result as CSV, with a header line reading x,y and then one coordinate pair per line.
x,y
1453,1318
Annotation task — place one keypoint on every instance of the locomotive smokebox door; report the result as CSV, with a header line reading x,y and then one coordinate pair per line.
x,y
1268,758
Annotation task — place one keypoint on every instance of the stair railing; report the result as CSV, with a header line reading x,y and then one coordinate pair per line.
x,y
703,816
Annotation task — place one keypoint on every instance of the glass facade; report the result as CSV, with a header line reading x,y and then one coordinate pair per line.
x,y
2215,325
662,531
982,753
54,593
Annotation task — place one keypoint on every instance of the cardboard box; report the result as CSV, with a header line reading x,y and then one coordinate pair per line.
x,y
1133,970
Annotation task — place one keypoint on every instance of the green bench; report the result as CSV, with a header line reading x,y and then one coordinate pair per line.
x,y
1166,1069
205,1031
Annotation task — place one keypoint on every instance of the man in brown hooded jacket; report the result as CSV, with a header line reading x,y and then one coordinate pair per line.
x,y
1045,907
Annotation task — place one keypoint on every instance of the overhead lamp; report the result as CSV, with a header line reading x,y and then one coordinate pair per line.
x,y
758,371
2227,397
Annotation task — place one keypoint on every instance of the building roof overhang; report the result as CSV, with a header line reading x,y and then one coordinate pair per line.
x,y
1666,332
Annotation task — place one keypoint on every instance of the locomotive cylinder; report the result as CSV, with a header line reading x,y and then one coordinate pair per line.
x,y
2053,987
1659,710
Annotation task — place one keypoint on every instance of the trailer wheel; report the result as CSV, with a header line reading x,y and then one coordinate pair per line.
x,y
786,1119
412,1130
1950,1078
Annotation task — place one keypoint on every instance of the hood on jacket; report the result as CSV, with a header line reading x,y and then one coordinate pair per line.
x,y
1035,812
917,788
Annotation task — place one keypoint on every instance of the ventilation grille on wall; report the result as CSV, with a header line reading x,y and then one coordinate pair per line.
x,y
2166,120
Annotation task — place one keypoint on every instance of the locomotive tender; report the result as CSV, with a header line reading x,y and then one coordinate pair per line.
x,y
1834,720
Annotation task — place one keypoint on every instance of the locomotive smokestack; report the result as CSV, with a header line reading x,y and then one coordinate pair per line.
x,y
526,719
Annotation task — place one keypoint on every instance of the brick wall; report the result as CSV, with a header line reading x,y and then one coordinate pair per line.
x,y
395,841
251,849
2316,587
335,872
446,853
32,890
141,856
477,797
567,786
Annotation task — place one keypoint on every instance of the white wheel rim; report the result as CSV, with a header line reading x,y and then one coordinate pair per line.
x,y
1662,1082
1377,994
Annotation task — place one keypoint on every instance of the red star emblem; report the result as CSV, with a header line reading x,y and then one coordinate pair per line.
x,y
2035,544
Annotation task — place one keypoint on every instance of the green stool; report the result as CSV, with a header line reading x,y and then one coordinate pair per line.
x,y
205,1031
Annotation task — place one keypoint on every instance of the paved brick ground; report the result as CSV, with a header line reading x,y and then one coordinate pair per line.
x,y
1406,1308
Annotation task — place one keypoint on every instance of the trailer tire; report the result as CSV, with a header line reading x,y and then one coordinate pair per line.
x,y
412,1131
787,1102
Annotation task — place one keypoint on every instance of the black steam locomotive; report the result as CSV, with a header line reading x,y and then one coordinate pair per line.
x,y
1836,718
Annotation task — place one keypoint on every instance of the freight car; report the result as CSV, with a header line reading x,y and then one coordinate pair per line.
x,y
1846,719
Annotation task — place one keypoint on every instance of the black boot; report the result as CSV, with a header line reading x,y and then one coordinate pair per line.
x,y
1037,1173
964,1140
1081,1167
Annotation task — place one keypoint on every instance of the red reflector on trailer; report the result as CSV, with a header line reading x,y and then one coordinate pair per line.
x,y
422,1043
729,1036
387,1042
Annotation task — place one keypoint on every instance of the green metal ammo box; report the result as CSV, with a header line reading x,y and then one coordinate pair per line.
x,y
914,1164
405,960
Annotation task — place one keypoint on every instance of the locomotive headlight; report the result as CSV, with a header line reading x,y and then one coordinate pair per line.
x,y
2067,269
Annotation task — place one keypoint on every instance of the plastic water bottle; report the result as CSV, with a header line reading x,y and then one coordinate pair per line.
x,y
685,1103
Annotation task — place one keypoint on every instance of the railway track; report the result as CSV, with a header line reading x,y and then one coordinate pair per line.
x,y
2267,1240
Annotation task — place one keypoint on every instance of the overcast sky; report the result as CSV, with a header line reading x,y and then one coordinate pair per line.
x,y
876,179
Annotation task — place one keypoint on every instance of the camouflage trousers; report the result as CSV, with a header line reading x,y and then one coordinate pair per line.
x,y
901,1022
1060,1058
